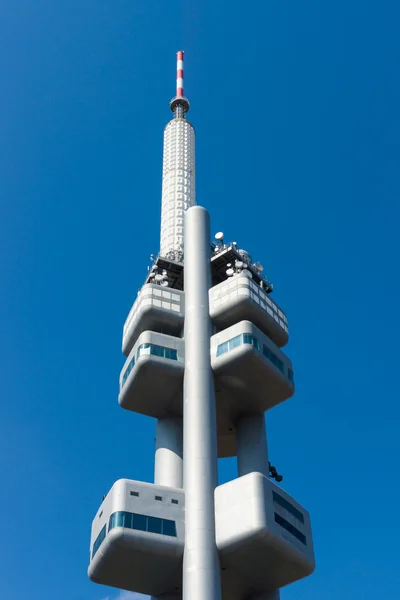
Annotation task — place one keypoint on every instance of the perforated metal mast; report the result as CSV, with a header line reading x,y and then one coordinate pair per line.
x,y
178,178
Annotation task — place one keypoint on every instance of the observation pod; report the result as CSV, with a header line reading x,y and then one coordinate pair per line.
x,y
239,298
151,380
137,538
255,372
156,308
263,535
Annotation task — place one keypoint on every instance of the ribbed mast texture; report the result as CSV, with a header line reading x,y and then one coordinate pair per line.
x,y
178,177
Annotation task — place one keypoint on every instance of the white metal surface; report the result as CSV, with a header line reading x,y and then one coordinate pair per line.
x,y
137,559
168,468
201,573
178,186
262,533
155,307
251,443
239,298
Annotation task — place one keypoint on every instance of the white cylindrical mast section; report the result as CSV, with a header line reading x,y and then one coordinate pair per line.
x,y
178,184
168,469
201,571
178,176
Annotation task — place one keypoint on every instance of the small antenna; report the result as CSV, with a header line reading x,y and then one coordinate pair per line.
x,y
179,105
179,74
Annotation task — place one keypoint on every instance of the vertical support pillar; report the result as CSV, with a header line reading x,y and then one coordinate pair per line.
x,y
168,464
251,443
168,468
252,455
201,571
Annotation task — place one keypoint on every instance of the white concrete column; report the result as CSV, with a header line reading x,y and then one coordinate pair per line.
x,y
168,468
251,444
201,570
252,455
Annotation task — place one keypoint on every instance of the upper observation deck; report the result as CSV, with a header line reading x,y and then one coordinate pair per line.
x,y
156,308
240,298
251,375
247,363
137,538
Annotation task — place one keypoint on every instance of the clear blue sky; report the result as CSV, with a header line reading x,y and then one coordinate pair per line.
x,y
296,109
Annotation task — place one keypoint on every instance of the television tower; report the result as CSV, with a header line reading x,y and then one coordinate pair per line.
x,y
203,344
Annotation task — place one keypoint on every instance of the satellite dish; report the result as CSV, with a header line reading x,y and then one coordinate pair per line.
x,y
230,272
158,277
239,264
219,236
258,266
164,283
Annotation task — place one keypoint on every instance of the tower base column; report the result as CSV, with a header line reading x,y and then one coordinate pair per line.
x,y
168,468
251,443
201,570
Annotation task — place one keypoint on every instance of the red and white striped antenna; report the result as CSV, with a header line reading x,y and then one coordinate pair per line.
x,y
179,74
179,105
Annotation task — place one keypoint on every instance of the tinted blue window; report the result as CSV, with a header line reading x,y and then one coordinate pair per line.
x,y
128,520
238,340
235,342
273,358
171,353
156,350
119,519
154,525
288,506
111,522
99,540
128,370
290,528
222,348
247,338
139,522
169,527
